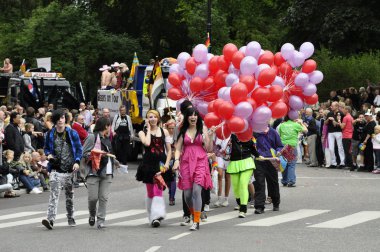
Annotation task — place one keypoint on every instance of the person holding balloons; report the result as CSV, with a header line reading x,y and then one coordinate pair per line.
x,y
192,161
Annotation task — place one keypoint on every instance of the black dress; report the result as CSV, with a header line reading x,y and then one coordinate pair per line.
x,y
154,154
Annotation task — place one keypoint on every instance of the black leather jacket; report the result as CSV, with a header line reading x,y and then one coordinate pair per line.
x,y
242,150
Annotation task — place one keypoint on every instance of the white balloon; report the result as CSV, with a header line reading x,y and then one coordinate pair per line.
x,y
287,51
200,52
301,79
298,58
316,77
243,49
307,49
253,49
279,81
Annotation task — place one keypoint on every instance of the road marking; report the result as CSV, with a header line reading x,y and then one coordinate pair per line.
x,y
36,220
154,248
143,221
113,216
179,236
339,178
18,215
349,220
283,218
217,218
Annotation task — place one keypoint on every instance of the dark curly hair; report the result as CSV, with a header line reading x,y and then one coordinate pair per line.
x,y
57,114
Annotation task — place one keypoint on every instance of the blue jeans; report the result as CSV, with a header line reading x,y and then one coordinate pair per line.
x,y
289,175
29,182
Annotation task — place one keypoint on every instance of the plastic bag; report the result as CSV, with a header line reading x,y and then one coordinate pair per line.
x,y
214,177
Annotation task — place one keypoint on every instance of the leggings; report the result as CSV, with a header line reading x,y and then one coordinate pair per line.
x,y
240,183
193,199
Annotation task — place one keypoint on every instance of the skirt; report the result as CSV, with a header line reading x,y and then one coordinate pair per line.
x,y
241,165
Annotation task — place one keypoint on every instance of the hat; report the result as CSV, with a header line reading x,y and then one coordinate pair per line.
x,y
123,65
105,67
361,89
116,64
368,113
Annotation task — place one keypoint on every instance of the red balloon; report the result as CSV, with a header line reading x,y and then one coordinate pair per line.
x,y
260,95
285,69
309,66
252,102
211,119
217,104
223,132
191,65
249,82
223,63
275,93
175,80
236,124
229,50
208,84
226,110
238,93
196,84
210,107
210,97
175,93
220,78
237,58
311,100
266,58
279,109
266,77
246,135
213,66
296,91
278,59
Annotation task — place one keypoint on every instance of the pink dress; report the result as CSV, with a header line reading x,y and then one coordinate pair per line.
x,y
194,166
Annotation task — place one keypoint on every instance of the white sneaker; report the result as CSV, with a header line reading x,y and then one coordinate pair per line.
x,y
237,208
252,204
217,203
35,190
225,203
186,221
207,208
241,215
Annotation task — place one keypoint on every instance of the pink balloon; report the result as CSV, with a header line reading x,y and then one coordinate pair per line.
x,y
301,79
243,110
293,114
295,102
259,127
202,107
261,114
309,89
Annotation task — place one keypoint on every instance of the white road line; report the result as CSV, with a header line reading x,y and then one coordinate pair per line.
x,y
36,220
112,216
153,249
283,218
349,220
179,236
18,215
219,217
340,178
143,221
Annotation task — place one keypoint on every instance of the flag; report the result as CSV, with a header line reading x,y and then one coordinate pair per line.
x,y
23,66
155,72
208,42
135,63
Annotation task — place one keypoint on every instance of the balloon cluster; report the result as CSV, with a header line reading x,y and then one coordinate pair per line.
x,y
241,90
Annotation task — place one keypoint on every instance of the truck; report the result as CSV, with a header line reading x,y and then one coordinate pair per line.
x,y
32,89
137,102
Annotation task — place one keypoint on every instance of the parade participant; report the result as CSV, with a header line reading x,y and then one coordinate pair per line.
x,y
8,67
170,126
194,172
289,131
265,171
122,130
106,77
156,142
240,169
99,179
223,153
64,151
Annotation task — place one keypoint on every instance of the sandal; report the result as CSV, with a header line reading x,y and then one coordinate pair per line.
x,y
11,195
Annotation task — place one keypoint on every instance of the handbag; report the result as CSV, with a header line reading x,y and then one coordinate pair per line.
x,y
159,180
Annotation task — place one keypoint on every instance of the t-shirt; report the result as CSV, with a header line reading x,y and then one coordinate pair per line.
x,y
330,126
369,129
289,132
348,129
358,134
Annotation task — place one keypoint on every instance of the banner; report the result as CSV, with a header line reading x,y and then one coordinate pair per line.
x,y
45,63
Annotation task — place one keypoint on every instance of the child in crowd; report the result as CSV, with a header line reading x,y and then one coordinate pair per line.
x,y
28,137
376,149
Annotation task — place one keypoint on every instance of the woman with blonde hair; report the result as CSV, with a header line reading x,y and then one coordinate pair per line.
x,y
47,121
156,158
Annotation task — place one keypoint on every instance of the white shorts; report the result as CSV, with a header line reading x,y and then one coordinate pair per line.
x,y
222,163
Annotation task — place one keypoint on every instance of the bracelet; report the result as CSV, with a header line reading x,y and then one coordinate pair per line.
x,y
214,164
176,160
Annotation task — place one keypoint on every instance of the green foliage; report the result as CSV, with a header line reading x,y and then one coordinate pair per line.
x,y
344,72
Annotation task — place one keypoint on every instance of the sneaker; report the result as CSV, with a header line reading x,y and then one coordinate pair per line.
x,y
156,223
225,203
171,202
101,225
48,224
331,167
91,221
203,216
268,201
237,208
241,215
259,211
194,227
217,204
46,189
376,171
276,208
291,185
35,190
207,208
186,221
71,222
252,204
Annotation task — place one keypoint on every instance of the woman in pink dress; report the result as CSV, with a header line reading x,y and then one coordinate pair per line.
x,y
194,174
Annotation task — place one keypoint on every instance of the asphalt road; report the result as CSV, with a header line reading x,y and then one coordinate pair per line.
x,y
329,210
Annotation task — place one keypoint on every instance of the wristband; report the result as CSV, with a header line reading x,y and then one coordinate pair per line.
x,y
214,164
